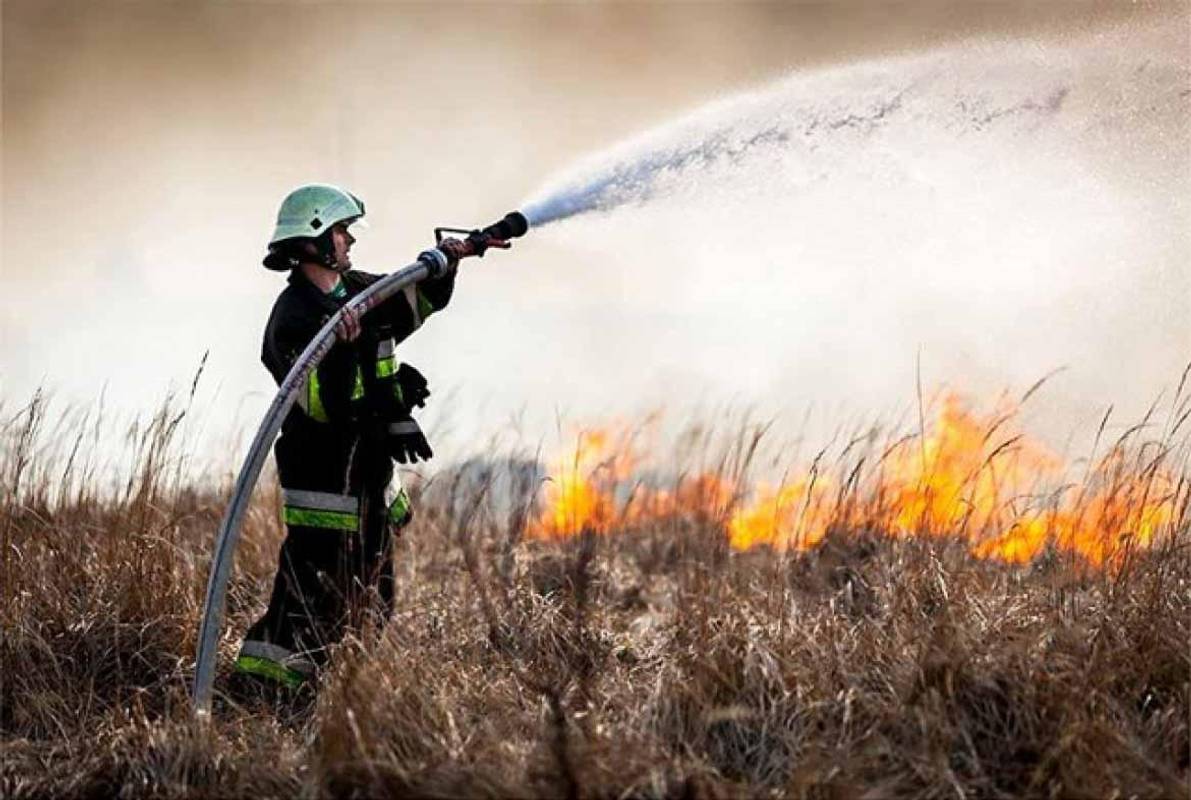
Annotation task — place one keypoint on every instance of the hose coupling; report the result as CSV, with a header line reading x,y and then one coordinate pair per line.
x,y
436,261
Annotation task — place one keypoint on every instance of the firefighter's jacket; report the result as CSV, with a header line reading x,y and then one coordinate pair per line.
x,y
332,447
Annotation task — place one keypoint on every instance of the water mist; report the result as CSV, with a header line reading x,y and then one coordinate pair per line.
x,y
996,209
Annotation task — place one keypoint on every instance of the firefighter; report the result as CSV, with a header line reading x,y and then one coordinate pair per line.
x,y
342,503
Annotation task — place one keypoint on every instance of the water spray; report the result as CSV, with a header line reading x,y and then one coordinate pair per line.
x,y
430,264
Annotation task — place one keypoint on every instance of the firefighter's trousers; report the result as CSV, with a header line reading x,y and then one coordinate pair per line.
x,y
335,567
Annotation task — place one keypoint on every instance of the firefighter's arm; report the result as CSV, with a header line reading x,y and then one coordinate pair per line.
x,y
436,292
405,311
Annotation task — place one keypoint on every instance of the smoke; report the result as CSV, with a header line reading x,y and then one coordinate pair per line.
x,y
997,210
756,260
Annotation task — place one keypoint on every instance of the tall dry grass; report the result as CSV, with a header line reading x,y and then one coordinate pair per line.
x,y
650,662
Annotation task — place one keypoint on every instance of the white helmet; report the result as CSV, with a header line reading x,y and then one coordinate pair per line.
x,y
310,210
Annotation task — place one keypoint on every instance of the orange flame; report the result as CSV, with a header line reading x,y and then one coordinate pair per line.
x,y
969,476
793,515
591,490
580,497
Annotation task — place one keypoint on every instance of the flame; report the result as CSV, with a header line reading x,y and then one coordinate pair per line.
x,y
1124,510
958,479
794,515
969,475
585,493
580,496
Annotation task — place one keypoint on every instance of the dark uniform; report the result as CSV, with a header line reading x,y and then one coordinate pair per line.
x,y
333,459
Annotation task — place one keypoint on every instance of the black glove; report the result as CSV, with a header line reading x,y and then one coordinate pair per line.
x,y
407,443
414,388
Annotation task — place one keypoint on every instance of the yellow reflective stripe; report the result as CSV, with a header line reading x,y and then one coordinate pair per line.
x,y
314,400
386,367
399,509
256,648
330,520
311,399
386,362
264,668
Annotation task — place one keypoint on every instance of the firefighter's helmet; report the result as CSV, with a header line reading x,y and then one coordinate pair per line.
x,y
309,211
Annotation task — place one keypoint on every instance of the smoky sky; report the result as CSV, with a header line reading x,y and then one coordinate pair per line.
x,y
146,146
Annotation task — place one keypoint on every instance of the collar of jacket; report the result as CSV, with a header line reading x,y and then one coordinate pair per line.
x,y
298,279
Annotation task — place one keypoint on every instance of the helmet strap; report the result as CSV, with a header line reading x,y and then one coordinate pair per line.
x,y
292,253
325,247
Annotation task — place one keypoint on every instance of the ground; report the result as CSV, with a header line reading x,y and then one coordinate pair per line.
x,y
646,660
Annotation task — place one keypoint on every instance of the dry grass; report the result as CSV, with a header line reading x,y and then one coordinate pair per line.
x,y
655,662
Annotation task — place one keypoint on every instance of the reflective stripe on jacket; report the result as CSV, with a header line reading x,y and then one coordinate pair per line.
x,y
332,440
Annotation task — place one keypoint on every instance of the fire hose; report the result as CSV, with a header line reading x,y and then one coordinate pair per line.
x,y
431,263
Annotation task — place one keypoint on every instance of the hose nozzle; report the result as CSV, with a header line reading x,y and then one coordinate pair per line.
x,y
498,234
512,226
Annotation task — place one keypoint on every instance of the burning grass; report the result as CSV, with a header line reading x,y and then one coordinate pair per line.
x,y
949,612
967,475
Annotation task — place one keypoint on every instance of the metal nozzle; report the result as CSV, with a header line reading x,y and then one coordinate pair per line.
x,y
512,226
497,234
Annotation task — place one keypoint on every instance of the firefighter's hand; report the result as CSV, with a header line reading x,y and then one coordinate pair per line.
x,y
454,249
348,327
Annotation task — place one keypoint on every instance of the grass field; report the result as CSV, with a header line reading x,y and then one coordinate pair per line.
x,y
920,614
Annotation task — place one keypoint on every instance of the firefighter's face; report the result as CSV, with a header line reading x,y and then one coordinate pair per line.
x,y
342,240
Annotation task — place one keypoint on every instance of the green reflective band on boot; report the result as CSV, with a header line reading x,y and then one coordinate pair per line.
x,y
264,668
331,520
399,509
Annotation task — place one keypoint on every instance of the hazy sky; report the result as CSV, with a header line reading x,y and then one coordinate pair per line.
x,y
146,147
